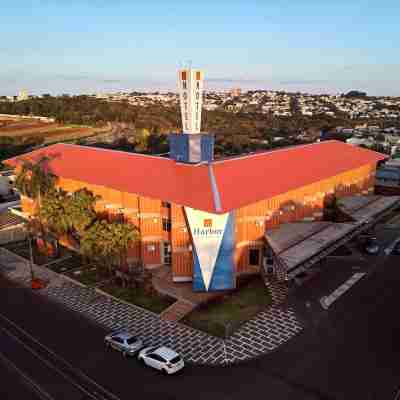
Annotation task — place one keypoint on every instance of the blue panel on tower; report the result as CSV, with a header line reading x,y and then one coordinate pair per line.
x,y
178,147
181,143
207,147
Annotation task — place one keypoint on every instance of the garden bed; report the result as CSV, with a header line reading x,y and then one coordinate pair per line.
x,y
88,276
234,309
138,297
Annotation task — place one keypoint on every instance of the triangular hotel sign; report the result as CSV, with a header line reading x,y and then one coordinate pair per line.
x,y
207,231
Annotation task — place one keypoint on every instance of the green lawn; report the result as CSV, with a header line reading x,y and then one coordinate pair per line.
x,y
137,296
235,308
87,277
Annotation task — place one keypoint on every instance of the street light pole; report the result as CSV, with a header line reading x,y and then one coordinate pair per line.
x,y
30,255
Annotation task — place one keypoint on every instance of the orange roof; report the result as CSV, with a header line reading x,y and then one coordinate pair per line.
x,y
246,180
217,187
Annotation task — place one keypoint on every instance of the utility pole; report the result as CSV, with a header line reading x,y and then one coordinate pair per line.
x,y
30,251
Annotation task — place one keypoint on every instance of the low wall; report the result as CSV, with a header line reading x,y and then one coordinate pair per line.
x,y
12,234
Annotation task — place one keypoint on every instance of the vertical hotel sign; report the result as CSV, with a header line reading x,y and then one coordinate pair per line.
x,y
213,249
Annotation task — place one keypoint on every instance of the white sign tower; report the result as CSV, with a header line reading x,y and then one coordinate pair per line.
x,y
190,84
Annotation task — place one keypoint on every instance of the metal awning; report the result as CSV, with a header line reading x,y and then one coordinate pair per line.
x,y
300,245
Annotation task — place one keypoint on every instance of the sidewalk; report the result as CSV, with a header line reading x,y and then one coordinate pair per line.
x,y
262,334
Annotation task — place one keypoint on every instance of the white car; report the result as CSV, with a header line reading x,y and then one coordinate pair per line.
x,y
124,342
162,358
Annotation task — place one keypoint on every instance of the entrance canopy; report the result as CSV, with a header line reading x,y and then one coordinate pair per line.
x,y
300,245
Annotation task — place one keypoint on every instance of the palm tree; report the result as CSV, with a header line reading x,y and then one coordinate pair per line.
x,y
35,180
80,209
108,242
53,211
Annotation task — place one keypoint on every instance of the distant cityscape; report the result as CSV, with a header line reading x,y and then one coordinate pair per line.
x,y
371,122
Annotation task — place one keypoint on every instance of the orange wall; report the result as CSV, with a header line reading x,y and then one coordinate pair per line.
x,y
251,221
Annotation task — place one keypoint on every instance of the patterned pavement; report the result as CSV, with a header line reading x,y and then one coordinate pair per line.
x,y
262,334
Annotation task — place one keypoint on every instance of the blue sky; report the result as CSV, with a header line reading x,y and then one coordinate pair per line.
x,y
79,46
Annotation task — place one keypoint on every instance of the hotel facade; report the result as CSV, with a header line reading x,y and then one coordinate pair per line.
x,y
206,219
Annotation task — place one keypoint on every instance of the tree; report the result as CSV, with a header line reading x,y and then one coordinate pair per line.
x,y
80,209
53,211
108,242
35,180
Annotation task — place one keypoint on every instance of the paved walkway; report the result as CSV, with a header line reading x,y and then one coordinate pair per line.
x,y
267,331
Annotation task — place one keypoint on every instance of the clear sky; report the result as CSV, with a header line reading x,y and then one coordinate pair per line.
x,y
83,46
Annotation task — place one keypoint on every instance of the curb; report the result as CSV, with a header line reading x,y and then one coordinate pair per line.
x,y
220,341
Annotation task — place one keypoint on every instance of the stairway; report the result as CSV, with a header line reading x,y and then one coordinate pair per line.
x,y
177,311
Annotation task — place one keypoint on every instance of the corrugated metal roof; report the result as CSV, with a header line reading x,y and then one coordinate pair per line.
x,y
239,181
246,180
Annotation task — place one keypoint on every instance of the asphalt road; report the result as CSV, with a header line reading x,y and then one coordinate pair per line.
x,y
348,352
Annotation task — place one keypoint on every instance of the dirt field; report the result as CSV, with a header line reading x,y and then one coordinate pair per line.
x,y
50,131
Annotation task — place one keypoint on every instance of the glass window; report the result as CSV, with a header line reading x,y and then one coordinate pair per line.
x,y
165,204
166,225
131,340
157,357
184,84
167,253
254,257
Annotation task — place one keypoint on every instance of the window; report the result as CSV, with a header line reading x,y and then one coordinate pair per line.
x,y
118,340
167,253
156,357
254,257
184,84
131,340
165,204
198,85
166,224
197,95
151,248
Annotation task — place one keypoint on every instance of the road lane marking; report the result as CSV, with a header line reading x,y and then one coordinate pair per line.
x,y
43,394
326,301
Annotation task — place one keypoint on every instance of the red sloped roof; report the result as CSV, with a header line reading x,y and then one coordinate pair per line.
x,y
246,180
155,177
238,181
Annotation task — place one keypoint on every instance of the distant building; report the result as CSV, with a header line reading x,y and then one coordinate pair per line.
x,y
387,179
236,92
23,95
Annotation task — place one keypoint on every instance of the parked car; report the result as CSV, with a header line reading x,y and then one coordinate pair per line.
x,y
396,249
371,246
124,342
162,358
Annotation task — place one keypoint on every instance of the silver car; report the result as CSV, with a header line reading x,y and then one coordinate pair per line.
x,y
124,342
